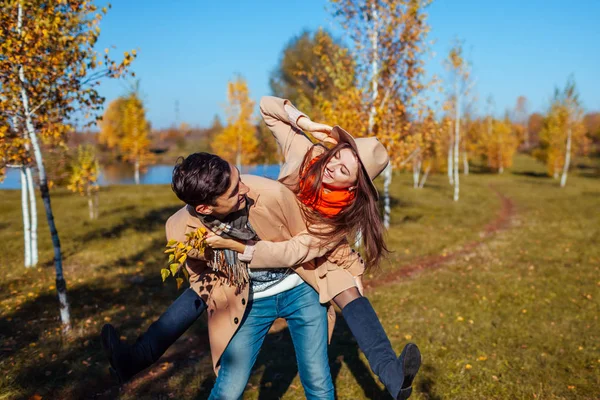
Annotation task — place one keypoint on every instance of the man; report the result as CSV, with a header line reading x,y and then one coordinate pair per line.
x,y
239,316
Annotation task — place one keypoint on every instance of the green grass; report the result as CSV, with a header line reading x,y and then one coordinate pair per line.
x,y
513,318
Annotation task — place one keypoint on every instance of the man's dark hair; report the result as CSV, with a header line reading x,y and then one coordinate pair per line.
x,y
200,178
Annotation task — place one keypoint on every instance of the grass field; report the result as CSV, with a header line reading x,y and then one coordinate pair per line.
x,y
501,291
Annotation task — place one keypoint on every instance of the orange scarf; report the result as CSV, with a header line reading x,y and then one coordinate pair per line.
x,y
328,204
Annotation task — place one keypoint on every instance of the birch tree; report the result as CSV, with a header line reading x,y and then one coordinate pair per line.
x,y
460,74
48,71
15,153
390,44
84,177
563,132
135,143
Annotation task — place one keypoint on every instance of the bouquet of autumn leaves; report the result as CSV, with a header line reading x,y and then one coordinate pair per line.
x,y
178,252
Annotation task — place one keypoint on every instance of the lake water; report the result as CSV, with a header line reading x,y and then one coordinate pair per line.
x,y
154,175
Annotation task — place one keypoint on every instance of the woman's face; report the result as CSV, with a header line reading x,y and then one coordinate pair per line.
x,y
342,170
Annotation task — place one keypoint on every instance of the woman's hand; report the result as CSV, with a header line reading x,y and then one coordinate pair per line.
x,y
317,130
217,242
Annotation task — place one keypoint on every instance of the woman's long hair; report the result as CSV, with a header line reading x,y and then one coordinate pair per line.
x,y
360,216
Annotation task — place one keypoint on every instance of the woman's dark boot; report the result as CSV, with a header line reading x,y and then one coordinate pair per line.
x,y
126,360
396,373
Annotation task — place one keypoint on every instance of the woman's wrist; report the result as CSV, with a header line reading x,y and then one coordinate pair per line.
x,y
247,253
295,116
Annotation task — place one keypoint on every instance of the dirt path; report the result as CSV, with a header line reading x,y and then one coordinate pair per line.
x,y
502,222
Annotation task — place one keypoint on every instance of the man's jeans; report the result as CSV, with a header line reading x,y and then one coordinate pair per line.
x,y
307,322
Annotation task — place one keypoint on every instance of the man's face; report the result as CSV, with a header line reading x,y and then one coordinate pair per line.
x,y
229,202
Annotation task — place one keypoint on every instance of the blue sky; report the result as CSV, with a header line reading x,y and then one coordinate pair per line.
x,y
190,49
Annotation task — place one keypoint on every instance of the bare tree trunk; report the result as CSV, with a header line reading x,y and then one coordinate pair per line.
x,y
238,156
374,67
61,285
26,219
555,175
387,210
96,208
456,144
90,202
465,163
33,213
563,179
136,175
416,172
450,147
424,178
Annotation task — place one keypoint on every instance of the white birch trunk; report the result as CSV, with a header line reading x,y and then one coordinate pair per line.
x,y
387,210
136,175
33,213
450,147
424,178
416,172
374,67
456,144
238,156
465,163
61,285
563,179
90,203
26,219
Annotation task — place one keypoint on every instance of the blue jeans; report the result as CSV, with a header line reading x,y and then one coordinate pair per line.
x,y
307,322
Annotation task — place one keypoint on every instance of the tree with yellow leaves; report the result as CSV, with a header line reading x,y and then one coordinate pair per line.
x,y
500,143
49,70
237,142
563,132
390,42
134,143
84,177
111,131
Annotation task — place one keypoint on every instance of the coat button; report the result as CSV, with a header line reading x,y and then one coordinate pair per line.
x,y
235,320
243,302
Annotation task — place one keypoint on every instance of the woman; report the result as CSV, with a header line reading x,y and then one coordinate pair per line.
x,y
334,185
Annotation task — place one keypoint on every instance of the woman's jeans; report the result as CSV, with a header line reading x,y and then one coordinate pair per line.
x,y
307,322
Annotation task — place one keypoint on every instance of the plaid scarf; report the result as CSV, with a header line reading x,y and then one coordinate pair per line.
x,y
235,226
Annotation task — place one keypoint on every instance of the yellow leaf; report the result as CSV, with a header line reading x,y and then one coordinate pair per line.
x,y
182,259
174,268
179,282
164,273
171,242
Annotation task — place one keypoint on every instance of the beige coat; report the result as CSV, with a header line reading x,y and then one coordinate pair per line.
x,y
276,217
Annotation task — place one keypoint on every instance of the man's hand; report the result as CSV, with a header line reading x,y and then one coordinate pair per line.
x,y
217,242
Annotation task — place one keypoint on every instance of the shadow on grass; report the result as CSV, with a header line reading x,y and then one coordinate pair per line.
x,y
277,362
531,174
151,221
78,369
425,383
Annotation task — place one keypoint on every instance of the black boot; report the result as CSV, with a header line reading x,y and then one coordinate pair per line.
x,y
126,361
397,374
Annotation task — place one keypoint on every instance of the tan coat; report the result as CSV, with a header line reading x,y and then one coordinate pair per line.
x,y
276,217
